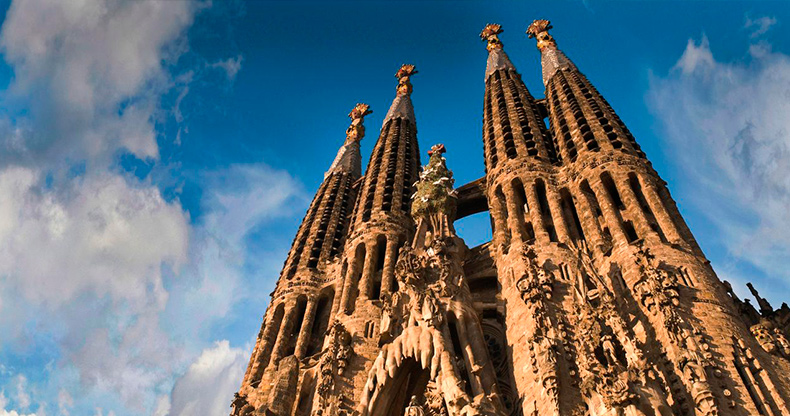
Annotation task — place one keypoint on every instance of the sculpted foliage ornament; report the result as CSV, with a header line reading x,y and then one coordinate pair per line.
x,y
539,29
490,34
356,131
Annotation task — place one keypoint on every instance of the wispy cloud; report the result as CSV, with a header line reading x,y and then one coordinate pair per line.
x,y
760,25
97,252
727,127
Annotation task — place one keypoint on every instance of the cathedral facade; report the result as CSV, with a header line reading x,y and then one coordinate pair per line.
x,y
593,297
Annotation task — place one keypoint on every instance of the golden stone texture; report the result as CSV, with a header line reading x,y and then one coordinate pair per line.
x,y
593,298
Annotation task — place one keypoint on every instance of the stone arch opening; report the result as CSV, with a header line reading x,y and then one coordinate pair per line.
x,y
411,379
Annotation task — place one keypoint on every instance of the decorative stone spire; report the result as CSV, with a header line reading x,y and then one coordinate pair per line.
x,y
401,105
434,202
552,59
497,58
348,157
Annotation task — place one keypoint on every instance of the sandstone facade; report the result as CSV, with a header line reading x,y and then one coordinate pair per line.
x,y
593,298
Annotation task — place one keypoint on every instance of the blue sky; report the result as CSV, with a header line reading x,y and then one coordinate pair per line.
x,y
156,159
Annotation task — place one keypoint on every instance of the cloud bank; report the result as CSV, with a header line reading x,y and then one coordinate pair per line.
x,y
727,127
107,287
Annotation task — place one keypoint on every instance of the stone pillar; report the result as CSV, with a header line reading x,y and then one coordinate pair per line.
x,y
541,235
265,343
634,208
348,283
469,355
307,324
588,218
515,221
367,269
610,214
285,328
390,257
487,374
660,212
557,215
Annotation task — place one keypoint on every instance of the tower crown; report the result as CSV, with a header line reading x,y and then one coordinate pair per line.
x,y
401,106
490,34
539,29
404,74
348,157
356,131
497,58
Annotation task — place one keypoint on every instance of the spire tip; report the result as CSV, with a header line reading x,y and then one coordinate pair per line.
x,y
490,34
404,74
539,29
356,131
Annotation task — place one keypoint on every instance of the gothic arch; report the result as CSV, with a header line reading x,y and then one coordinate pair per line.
x,y
405,367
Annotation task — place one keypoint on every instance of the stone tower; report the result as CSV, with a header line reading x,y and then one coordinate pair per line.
x,y
593,298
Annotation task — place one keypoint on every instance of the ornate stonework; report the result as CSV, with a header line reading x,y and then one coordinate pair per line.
x,y
592,299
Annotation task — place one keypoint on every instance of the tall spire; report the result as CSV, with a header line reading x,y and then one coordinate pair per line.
x,y
348,157
401,106
512,124
552,59
497,58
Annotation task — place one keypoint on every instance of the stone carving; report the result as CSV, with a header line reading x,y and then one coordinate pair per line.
x,y
332,365
404,74
614,373
490,34
356,130
539,29
569,340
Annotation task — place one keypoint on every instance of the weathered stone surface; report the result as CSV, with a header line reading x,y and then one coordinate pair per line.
x,y
593,298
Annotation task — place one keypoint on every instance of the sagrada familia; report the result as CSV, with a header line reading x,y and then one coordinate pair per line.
x,y
593,297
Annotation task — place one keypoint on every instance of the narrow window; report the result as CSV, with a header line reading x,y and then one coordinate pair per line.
x,y
321,322
378,271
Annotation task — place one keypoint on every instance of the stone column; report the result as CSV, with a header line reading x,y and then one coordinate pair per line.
x,y
487,376
307,324
285,328
557,214
588,217
539,227
610,213
634,208
515,221
499,215
469,355
390,257
264,344
367,269
348,283
660,212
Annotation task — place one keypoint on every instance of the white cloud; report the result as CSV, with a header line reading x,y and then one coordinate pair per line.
x,y
117,280
22,396
760,25
91,72
5,412
96,233
728,129
207,387
231,66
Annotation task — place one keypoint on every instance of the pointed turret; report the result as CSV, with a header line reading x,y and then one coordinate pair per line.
x,y
512,125
381,223
393,165
296,322
581,119
326,221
